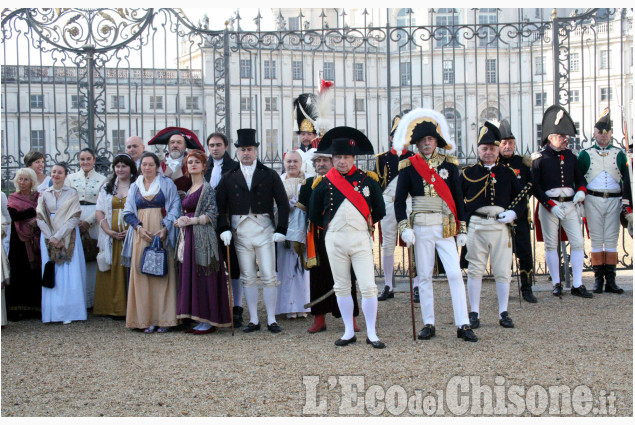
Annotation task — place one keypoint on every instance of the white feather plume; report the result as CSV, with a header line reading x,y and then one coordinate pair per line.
x,y
323,124
399,139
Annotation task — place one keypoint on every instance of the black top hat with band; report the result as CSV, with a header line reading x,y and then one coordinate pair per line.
x,y
246,137
345,141
505,129
489,134
557,120
604,123
305,108
163,137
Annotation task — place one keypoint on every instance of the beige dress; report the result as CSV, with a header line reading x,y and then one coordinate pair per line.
x,y
151,300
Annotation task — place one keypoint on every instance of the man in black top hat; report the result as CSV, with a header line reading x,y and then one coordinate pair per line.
x,y
605,168
245,197
432,179
220,162
387,168
346,202
489,190
521,164
559,186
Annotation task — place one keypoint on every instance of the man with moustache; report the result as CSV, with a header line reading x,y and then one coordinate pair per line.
x,y
220,162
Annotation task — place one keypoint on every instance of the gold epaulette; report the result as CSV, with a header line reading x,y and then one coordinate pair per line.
x,y
527,161
373,175
317,181
452,159
404,163
536,155
380,154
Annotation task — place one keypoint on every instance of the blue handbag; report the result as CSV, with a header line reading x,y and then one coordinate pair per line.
x,y
154,261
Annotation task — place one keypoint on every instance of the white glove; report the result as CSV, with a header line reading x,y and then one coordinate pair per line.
x,y
558,212
507,216
579,197
226,237
629,218
279,237
461,239
408,236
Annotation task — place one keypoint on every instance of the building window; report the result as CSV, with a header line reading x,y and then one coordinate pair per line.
x,y
540,65
487,34
77,101
574,96
117,102
405,18
453,118
245,68
449,19
297,70
294,24
541,99
606,94
271,139
270,70
37,140
191,103
359,105
604,59
491,70
405,73
37,101
118,140
448,72
245,104
329,71
358,71
156,102
574,62
539,134
271,104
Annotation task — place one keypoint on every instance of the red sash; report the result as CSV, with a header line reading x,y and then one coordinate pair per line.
x,y
433,178
356,198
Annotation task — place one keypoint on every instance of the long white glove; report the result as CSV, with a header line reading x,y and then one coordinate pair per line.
x,y
278,237
408,236
558,211
579,197
507,216
461,239
226,237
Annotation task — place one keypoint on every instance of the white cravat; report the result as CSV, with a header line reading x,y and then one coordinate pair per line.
x,y
248,172
216,173
174,164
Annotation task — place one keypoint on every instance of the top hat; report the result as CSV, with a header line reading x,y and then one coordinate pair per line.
x,y
557,120
505,129
345,141
489,134
246,137
163,137
604,123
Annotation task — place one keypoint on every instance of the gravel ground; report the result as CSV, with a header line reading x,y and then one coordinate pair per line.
x,y
99,368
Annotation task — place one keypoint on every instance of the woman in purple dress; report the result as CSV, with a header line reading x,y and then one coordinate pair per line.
x,y
202,295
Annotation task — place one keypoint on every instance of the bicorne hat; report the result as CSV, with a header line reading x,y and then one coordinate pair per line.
x,y
489,134
345,141
505,129
604,123
419,123
163,137
557,120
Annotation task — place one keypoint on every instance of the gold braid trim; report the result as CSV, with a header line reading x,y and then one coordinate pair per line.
x,y
373,175
476,180
299,205
404,163
451,159
527,161
317,181
403,225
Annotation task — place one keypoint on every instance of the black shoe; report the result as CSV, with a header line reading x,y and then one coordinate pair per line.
x,y
375,344
609,273
238,316
251,327
557,290
529,296
474,320
344,342
385,294
427,332
416,295
274,328
506,321
598,284
466,333
581,292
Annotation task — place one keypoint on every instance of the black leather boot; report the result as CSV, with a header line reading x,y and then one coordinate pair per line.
x,y
238,316
598,271
525,288
609,274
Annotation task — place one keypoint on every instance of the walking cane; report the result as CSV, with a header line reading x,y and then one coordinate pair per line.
x,y
515,254
229,287
412,304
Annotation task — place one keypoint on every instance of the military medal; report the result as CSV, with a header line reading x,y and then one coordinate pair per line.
x,y
493,178
561,159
